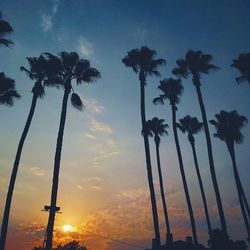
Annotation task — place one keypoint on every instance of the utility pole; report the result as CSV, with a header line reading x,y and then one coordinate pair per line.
x,y
46,208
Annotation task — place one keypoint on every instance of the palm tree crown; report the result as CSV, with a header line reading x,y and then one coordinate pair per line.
x,y
195,63
68,67
7,90
5,29
243,65
157,128
143,60
190,125
172,89
228,126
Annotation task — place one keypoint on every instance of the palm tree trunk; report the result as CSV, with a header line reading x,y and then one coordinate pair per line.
x,y
211,161
148,162
14,174
201,188
190,210
48,245
239,187
162,189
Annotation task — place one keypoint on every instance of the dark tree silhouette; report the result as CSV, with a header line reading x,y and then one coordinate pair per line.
x,y
243,65
228,126
192,126
195,64
66,68
35,72
5,29
218,240
7,90
157,128
143,62
73,245
172,90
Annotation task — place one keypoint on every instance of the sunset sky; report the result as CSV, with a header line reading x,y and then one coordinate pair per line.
x,y
103,183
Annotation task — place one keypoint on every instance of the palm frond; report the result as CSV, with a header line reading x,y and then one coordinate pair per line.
x,y
76,102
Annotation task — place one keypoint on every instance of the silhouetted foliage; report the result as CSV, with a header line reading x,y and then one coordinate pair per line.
x,y
242,63
73,245
36,71
192,126
7,90
228,126
197,63
5,29
144,62
64,69
172,90
157,127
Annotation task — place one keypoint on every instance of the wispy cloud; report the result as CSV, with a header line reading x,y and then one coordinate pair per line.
x,y
85,47
90,136
37,171
93,106
47,19
100,127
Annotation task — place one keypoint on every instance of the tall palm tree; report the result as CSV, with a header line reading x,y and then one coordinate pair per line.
x,y
157,128
69,67
7,90
5,29
196,63
243,65
35,72
192,126
228,126
143,62
172,90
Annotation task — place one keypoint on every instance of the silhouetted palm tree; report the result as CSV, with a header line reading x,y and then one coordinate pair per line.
x,y
243,65
35,72
172,90
5,29
144,62
67,67
195,64
7,90
157,128
192,126
228,126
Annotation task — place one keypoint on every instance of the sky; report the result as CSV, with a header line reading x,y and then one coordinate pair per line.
x,y
103,188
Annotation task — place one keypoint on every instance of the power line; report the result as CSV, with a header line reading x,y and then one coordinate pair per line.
x,y
109,238
118,241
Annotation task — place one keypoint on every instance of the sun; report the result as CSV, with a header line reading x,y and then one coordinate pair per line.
x,y
67,228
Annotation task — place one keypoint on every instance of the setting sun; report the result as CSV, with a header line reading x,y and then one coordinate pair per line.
x,y
67,228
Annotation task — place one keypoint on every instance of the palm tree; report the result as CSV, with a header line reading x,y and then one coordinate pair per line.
x,y
157,128
35,72
192,126
228,126
68,67
7,90
195,64
5,29
243,65
172,90
143,62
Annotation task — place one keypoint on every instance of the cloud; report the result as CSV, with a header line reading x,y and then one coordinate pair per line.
x,y
37,171
93,106
47,19
85,47
46,22
100,127
90,136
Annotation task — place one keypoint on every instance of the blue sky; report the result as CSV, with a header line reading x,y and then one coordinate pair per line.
x,y
102,159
